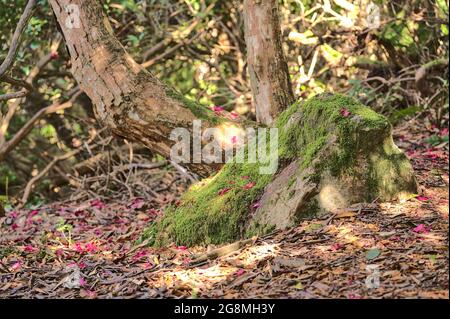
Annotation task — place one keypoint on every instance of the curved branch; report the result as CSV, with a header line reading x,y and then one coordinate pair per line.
x,y
20,135
27,86
127,98
14,95
23,22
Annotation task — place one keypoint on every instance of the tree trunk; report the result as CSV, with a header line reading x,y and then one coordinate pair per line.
x,y
127,98
269,74
332,150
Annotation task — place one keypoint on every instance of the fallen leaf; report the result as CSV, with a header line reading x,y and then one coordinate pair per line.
x,y
373,253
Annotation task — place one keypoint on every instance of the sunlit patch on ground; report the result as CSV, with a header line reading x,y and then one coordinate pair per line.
x,y
404,243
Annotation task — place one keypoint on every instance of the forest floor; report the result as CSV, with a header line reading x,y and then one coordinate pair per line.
x,y
85,248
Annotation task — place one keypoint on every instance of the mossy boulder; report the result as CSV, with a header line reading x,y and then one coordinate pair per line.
x,y
333,152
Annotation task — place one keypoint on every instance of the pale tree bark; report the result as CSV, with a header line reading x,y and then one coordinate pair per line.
x,y
269,75
126,97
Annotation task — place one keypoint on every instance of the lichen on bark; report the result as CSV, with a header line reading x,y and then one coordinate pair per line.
x,y
333,151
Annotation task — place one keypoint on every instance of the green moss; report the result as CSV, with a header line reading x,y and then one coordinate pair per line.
x,y
434,63
200,111
214,210
389,173
209,215
312,209
320,120
257,229
292,181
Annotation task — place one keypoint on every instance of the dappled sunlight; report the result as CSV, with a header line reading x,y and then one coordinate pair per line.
x,y
330,198
232,267
229,135
253,255
200,278
204,182
101,58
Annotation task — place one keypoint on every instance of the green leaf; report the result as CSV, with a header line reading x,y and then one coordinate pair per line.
x,y
298,286
373,253
312,227
432,258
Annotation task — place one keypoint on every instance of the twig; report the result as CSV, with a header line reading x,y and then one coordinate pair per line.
x,y
31,182
9,145
221,251
15,42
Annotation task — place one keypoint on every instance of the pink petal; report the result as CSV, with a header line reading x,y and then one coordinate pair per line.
x,y
82,265
79,248
97,203
218,109
234,115
33,213
421,229
137,203
224,191
344,112
90,294
16,266
139,255
249,185
29,248
256,205
90,247
13,214
240,272
82,282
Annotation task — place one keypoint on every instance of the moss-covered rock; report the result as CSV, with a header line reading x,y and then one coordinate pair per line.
x,y
333,152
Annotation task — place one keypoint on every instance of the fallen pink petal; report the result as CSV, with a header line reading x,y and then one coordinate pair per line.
x,y
29,248
256,205
249,185
16,266
421,229
344,112
224,191
240,272
218,109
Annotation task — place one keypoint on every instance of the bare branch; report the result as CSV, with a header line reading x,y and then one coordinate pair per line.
x,y
20,135
23,22
47,168
14,95
8,96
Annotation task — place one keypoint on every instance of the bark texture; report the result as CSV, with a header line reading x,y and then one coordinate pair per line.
x,y
269,75
127,98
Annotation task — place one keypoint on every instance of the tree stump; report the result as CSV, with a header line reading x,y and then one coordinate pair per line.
x,y
333,152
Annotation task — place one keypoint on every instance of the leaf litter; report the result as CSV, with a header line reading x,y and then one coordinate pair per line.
x,y
86,248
